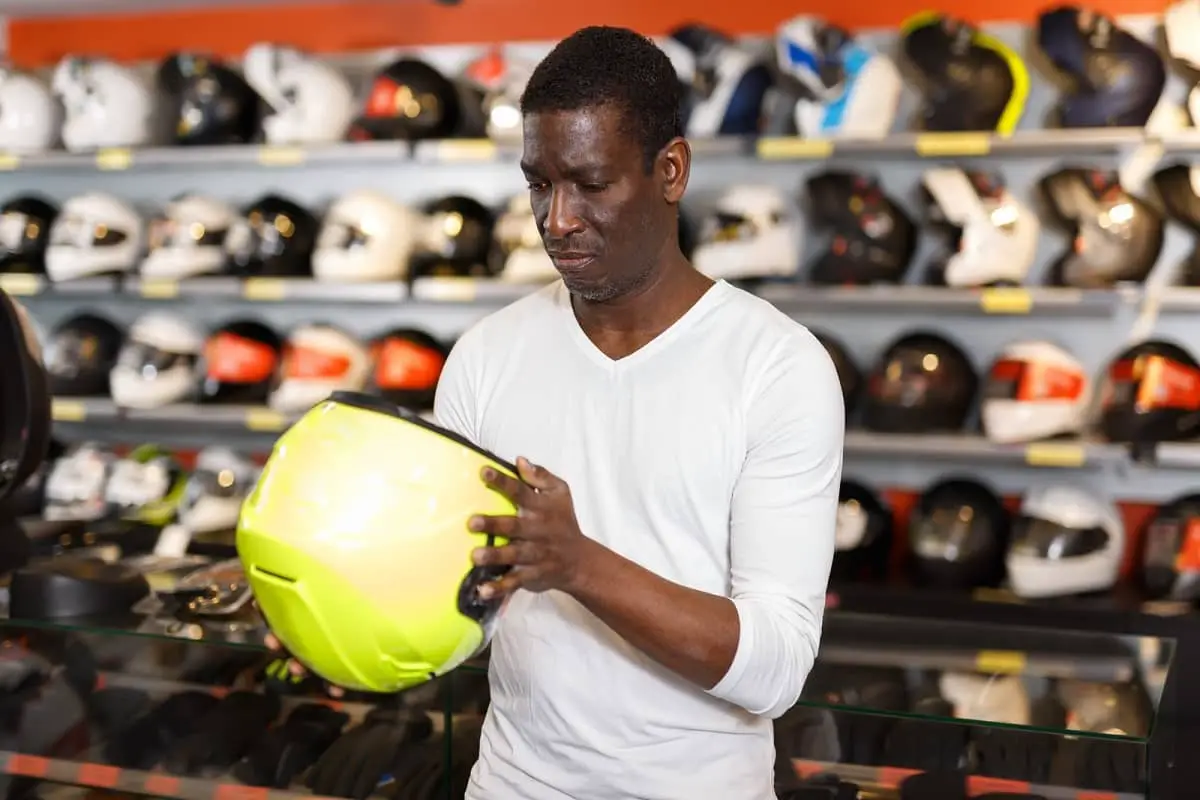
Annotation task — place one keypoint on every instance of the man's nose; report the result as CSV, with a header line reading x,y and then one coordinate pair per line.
x,y
562,220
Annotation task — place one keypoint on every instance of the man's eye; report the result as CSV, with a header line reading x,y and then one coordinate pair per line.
x,y
595,187
537,186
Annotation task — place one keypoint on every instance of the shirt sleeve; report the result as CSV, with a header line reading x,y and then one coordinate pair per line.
x,y
782,526
454,403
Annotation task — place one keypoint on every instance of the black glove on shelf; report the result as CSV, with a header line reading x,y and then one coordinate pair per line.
x,y
288,749
364,756
145,742
224,734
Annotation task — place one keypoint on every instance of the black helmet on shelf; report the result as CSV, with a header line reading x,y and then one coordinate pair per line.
x,y
1116,237
406,366
871,238
863,542
457,237
1169,566
410,100
968,81
207,102
958,536
922,383
25,223
274,237
1151,394
80,355
240,364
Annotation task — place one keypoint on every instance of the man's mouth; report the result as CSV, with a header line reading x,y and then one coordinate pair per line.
x,y
571,262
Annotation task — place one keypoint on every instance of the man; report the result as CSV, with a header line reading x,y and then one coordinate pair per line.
x,y
680,445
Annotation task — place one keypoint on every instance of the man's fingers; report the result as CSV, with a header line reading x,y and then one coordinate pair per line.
x,y
510,487
501,587
272,643
503,525
539,478
511,555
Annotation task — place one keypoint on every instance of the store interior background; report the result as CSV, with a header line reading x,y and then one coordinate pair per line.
x,y
227,30
348,27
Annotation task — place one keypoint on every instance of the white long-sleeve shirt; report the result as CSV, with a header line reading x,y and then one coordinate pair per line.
x,y
712,457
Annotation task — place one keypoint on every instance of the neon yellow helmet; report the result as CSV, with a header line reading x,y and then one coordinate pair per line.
x,y
356,545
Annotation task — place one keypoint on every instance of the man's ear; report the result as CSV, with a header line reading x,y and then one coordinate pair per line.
x,y
675,167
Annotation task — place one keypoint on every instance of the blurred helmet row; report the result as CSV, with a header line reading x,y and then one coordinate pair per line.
x,y
364,236
280,95
1034,390
857,233
164,359
814,79
1062,539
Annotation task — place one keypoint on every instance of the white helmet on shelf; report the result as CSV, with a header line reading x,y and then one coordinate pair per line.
x,y
1065,541
319,360
754,232
998,235
517,245
106,104
1035,390
157,364
29,115
366,236
310,101
94,234
189,240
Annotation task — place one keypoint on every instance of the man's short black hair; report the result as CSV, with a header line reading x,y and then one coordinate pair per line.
x,y
603,65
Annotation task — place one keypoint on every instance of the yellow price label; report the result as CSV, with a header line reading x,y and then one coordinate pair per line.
x,y
1006,300
113,158
785,147
1055,454
9,162
264,289
1000,662
449,290
68,410
936,145
265,420
280,156
989,594
158,288
466,150
20,283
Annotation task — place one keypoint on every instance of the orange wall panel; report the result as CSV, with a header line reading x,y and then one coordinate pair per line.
x,y
366,24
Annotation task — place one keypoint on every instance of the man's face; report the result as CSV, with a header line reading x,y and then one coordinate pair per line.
x,y
603,218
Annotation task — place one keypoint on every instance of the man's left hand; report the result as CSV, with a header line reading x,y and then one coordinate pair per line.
x,y
545,546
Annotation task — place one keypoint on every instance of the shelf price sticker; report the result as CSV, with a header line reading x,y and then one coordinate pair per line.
x,y
466,150
276,156
1000,662
28,766
114,158
9,162
449,290
1064,455
264,289
20,284
67,410
158,288
264,420
1006,300
772,148
941,145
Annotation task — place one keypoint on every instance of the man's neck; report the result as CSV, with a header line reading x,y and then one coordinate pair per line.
x,y
624,325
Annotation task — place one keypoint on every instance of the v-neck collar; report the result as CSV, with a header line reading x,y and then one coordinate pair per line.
x,y
710,298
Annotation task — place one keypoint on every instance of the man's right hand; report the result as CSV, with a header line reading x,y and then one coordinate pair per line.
x,y
296,669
